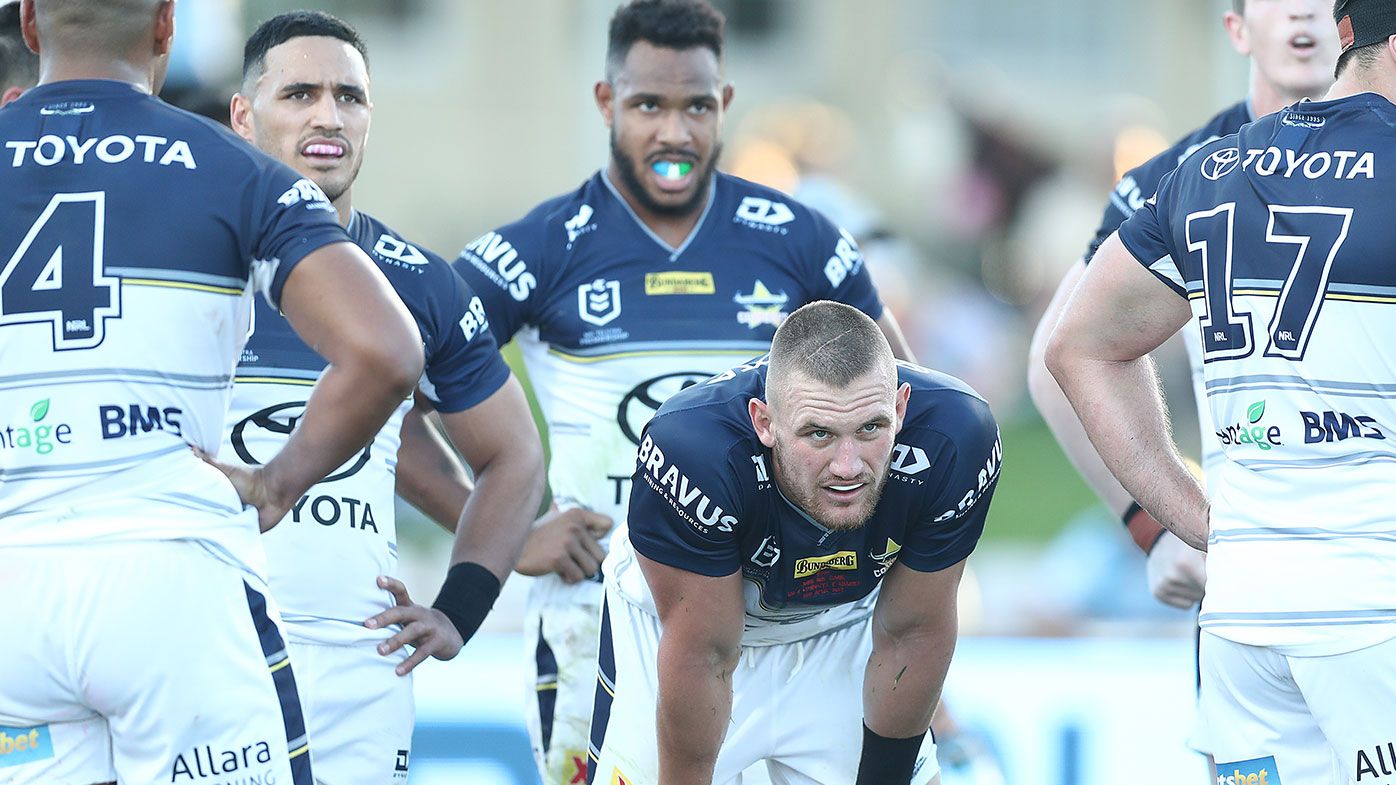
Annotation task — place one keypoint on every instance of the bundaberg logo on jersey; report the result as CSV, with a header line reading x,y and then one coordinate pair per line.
x,y
843,560
242,765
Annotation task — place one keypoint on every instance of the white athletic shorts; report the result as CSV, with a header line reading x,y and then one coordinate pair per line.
x,y
1279,720
144,662
358,711
796,706
561,626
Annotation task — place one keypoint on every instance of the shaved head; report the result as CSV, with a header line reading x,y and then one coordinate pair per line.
x,y
108,27
829,342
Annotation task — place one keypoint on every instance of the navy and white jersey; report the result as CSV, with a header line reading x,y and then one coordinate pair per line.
x,y
324,556
704,499
1280,238
612,320
133,236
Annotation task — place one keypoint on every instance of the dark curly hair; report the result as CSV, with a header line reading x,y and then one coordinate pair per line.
x,y
671,24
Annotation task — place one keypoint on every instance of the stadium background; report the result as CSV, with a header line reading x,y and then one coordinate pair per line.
x,y
970,145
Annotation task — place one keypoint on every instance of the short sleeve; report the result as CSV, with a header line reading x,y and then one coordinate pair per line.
x,y
292,217
968,458
839,271
464,366
1146,236
1124,201
503,267
684,500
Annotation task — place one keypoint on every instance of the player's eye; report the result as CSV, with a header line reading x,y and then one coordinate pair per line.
x,y
647,106
819,434
299,95
699,108
871,427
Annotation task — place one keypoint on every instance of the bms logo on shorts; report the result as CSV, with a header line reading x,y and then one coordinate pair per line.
x,y
1257,771
24,745
640,404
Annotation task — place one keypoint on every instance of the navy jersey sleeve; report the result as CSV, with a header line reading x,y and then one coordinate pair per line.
x,y
967,465
291,218
1146,236
502,267
838,269
464,366
1125,200
685,502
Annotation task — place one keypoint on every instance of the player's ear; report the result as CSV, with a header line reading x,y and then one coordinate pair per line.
x,y
164,28
240,116
726,96
28,26
10,94
903,395
1235,25
760,415
605,95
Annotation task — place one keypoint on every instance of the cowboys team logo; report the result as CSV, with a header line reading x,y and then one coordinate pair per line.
x,y
598,302
886,559
640,404
1221,163
762,306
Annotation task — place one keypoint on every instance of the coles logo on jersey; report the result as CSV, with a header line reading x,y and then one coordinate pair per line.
x,y
497,260
598,302
1252,432
1257,771
763,307
398,250
37,436
764,214
1221,163
843,560
579,225
640,404
24,745
692,504
305,190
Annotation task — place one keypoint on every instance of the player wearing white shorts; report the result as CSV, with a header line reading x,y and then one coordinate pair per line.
x,y
786,580
1275,239
658,272
133,238
305,100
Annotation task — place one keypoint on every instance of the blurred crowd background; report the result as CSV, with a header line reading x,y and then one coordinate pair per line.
x,y
970,145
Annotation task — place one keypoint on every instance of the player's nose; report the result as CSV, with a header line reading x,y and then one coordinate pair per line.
x,y
847,463
327,114
674,130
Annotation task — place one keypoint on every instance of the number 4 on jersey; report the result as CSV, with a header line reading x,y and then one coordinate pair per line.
x,y
56,274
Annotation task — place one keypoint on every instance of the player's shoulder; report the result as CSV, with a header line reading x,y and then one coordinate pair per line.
x,y
551,215
944,404
768,211
717,405
1227,122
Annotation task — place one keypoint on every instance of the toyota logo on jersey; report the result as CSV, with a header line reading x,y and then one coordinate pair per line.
x,y
268,421
640,404
1221,163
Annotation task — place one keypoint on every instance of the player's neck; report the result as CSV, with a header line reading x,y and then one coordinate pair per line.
x,y
1268,98
669,227
65,69
344,208
1357,80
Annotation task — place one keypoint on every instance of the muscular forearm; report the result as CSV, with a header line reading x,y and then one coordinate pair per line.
x,y
1056,410
695,705
497,518
902,684
1129,429
429,475
347,407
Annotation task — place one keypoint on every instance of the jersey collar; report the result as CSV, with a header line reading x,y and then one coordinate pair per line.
x,y
674,252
